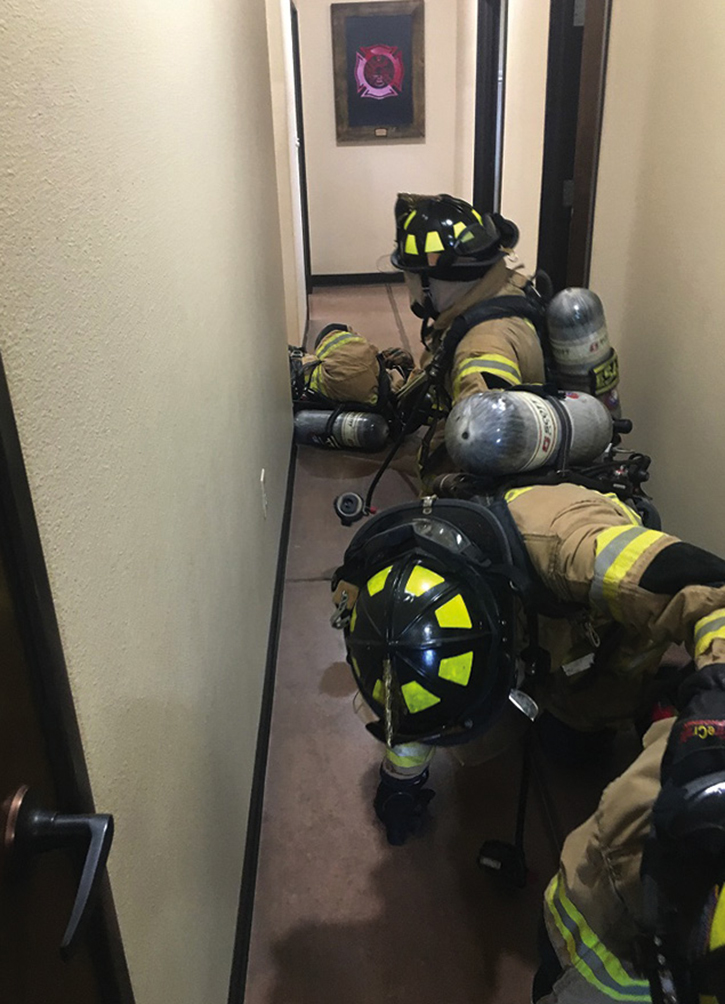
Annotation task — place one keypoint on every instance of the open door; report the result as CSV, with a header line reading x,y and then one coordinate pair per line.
x,y
578,37
53,887
300,124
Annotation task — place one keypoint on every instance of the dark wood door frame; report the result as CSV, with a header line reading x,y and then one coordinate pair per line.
x,y
490,101
302,163
577,56
29,586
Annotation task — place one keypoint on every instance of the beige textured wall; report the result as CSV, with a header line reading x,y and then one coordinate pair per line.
x,y
142,327
523,149
352,187
659,252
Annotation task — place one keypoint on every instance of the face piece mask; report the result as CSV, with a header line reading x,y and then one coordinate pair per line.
x,y
445,294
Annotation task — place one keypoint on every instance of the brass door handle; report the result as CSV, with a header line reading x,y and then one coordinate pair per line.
x,y
30,829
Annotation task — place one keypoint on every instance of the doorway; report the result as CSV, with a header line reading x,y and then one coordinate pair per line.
x,y
40,748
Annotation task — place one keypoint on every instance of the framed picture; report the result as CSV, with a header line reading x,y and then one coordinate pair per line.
x,y
378,58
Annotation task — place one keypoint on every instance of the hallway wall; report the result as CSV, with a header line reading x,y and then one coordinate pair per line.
x,y
142,327
659,254
352,187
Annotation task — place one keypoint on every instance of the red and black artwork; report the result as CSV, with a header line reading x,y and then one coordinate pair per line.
x,y
378,55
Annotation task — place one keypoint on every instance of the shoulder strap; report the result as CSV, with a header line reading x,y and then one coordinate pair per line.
x,y
527,307
535,594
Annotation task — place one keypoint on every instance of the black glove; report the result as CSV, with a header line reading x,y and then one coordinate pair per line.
x,y
401,805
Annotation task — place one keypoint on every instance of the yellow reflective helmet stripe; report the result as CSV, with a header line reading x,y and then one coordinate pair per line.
x,y
433,242
477,215
707,629
458,228
421,580
353,619
454,614
717,928
457,668
411,245
377,582
417,697
379,692
409,218
587,954
355,667
618,548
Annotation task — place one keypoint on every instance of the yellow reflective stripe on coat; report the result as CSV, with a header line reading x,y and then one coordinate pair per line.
x,y
316,381
634,517
617,550
707,630
587,954
334,340
510,496
493,363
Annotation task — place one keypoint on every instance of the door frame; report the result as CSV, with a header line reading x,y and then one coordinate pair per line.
x,y
575,85
29,585
490,104
301,158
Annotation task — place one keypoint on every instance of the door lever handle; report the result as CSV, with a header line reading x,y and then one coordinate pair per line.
x,y
30,829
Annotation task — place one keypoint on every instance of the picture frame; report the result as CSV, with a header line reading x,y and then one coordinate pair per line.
x,y
378,53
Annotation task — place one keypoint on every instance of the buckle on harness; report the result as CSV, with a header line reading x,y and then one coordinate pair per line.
x,y
342,615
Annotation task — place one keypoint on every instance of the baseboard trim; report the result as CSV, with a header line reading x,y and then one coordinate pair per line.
x,y
240,959
357,279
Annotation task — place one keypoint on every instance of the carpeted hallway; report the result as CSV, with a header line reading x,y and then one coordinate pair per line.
x,y
341,917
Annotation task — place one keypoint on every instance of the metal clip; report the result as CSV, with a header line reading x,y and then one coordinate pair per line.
x,y
427,503
592,637
341,617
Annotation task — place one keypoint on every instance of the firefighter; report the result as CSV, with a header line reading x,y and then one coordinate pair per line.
x,y
650,863
454,260
456,612
346,368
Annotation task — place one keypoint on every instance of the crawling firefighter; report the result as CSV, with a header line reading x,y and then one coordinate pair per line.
x,y
463,614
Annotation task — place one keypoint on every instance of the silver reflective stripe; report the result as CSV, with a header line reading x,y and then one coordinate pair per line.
x,y
635,991
709,627
490,366
604,561
326,348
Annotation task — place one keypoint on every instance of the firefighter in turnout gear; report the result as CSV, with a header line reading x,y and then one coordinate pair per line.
x,y
347,368
459,613
468,297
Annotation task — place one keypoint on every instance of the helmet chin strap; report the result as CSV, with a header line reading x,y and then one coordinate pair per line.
x,y
426,310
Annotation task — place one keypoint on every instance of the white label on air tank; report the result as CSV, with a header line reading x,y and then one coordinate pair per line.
x,y
583,352
546,431
348,431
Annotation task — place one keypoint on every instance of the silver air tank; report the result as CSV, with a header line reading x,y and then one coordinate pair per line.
x,y
357,430
508,432
579,340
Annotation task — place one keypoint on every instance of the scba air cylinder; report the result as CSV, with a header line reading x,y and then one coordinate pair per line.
x,y
356,430
579,340
508,432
